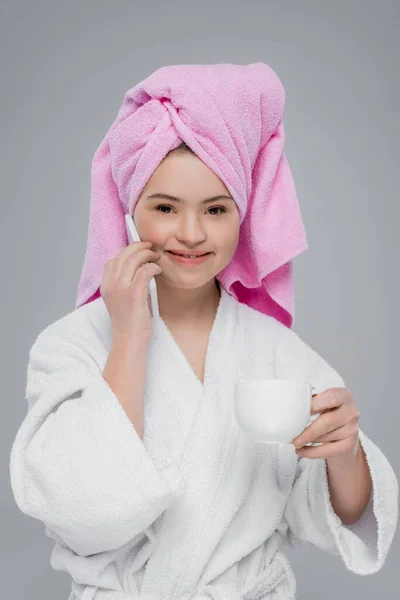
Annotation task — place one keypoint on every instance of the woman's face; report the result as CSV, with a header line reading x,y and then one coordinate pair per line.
x,y
190,224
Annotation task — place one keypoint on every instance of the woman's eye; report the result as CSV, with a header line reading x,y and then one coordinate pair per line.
x,y
161,206
221,208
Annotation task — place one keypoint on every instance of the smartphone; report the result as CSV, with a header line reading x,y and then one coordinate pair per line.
x,y
133,236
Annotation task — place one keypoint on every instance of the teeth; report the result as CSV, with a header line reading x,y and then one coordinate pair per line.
x,y
187,256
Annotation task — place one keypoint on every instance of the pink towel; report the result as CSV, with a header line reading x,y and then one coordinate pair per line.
x,y
231,116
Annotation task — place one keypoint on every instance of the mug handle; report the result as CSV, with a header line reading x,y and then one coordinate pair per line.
x,y
313,417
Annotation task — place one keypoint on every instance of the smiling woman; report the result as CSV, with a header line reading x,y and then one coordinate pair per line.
x,y
201,218
131,452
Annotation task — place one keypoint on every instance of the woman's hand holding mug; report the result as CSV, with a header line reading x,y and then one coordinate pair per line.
x,y
336,429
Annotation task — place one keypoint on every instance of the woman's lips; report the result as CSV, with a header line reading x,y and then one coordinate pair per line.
x,y
189,261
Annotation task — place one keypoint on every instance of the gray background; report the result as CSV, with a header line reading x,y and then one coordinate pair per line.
x,y
64,70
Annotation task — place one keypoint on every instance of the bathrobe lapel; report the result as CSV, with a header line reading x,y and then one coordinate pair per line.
x,y
174,394
195,423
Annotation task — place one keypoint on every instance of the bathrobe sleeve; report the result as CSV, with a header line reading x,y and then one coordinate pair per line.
x,y
77,463
363,546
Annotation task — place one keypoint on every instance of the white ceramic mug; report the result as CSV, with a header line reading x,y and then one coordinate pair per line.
x,y
274,411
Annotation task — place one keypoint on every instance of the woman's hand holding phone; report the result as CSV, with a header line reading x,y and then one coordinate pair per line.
x,y
124,290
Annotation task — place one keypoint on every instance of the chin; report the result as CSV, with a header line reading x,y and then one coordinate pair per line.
x,y
185,283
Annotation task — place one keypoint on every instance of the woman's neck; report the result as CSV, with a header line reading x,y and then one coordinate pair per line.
x,y
188,308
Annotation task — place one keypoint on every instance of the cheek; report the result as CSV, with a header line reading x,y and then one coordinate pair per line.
x,y
146,228
228,246
233,237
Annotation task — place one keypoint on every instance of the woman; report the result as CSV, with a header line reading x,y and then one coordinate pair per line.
x,y
130,452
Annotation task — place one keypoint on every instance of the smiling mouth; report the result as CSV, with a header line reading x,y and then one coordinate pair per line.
x,y
188,255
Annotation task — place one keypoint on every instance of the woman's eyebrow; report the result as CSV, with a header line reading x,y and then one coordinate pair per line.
x,y
173,198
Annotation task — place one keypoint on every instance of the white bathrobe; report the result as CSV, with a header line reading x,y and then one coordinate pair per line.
x,y
196,510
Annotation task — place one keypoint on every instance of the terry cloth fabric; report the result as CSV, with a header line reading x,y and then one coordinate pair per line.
x,y
231,116
195,510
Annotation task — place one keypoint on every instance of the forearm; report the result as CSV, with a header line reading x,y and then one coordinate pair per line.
x,y
125,372
350,485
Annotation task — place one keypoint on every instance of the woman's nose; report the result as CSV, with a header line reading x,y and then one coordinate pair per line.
x,y
191,231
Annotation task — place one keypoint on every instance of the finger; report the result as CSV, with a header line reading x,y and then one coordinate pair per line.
x,y
140,284
131,248
316,401
116,265
327,400
328,450
340,433
133,264
325,423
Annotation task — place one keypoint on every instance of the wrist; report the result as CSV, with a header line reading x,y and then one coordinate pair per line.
x,y
131,341
350,458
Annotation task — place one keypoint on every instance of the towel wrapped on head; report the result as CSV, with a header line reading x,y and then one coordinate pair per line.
x,y
231,116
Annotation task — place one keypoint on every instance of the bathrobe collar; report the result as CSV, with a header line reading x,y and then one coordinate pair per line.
x,y
180,361
195,425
